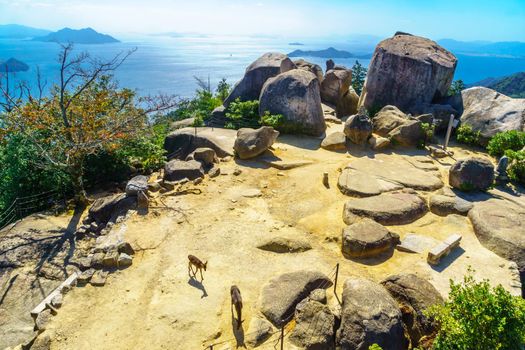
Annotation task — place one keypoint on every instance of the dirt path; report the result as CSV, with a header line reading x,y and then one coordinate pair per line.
x,y
154,305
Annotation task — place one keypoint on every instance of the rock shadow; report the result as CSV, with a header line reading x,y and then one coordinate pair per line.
x,y
237,330
302,141
372,261
446,261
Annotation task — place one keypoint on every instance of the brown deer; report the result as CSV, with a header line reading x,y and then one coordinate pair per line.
x,y
237,301
199,265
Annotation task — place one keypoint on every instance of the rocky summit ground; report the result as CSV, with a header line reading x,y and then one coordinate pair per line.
x,y
154,304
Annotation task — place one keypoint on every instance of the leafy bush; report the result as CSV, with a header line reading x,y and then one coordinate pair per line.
x,y
375,347
516,169
243,114
479,317
223,89
509,140
358,77
276,121
456,87
466,135
428,131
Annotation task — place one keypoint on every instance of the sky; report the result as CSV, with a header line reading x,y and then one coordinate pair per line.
x,y
494,20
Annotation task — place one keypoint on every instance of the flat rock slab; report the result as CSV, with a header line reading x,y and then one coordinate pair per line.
x,y
178,169
285,245
443,205
314,326
393,208
443,249
251,193
413,243
284,164
186,140
334,142
367,238
500,227
369,177
280,295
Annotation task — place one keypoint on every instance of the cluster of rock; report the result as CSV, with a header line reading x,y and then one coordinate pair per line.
x,y
390,313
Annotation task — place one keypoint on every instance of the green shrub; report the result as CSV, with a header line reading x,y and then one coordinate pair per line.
x,y
465,134
509,140
456,87
428,131
375,347
276,121
243,114
516,168
479,317
358,77
223,89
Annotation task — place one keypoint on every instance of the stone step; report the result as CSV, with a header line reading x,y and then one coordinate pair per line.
x,y
443,249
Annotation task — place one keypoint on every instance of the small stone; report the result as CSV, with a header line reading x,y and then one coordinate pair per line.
x,y
42,320
93,227
111,259
85,276
197,181
252,193
97,259
214,172
99,278
226,159
318,295
259,330
124,260
57,300
125,247
237,172
85,262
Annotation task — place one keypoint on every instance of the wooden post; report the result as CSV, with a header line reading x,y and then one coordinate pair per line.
x,y
282,338
336,276
449,131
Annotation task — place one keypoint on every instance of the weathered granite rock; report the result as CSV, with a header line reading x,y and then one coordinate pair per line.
x,y
489,112
267,66
414,295
177,169
204,155
136,184
393,208
184,123
259,330
334,85
369,177
445,205
43,319
109,208
281,294
217,118
473,173
367,238
285,245
336,141
406,71
408,134
387,119
42,342
378,143
347,104
358,128
440,113
314,326
318,295
124,260
295,95
253,142
99,278
184,141
110,259
310,67
369,316
499,226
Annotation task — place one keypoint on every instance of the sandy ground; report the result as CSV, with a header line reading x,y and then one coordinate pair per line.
x,y
154,305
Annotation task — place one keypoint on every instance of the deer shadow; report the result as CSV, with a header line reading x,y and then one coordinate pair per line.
x,y
198,284
237,330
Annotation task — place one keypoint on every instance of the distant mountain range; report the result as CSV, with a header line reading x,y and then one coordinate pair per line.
x,y
77,36
12,66
17,31
512,85
485,48
327,53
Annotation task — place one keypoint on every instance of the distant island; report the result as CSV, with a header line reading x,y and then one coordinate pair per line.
x,y
17,31
296,44
77,36
512,85
12,66
327,53
484,48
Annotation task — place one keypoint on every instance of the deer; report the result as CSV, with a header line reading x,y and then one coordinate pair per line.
x,y
237,301
199,265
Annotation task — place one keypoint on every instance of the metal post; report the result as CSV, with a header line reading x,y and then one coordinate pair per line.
x,y
336,275
282,338
449,131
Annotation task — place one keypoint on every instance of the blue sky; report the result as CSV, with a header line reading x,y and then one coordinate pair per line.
x,y
495,20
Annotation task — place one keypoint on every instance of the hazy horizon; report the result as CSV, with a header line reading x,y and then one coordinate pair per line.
x,y
465,20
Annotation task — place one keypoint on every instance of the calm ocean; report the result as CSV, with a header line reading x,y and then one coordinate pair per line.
x,y
169,64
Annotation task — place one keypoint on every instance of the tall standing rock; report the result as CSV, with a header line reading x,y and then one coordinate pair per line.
x,y
407,71
295,95
267,66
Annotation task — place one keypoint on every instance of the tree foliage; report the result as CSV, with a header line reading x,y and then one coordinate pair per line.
x,y
358,77
456,87
479,317
513,140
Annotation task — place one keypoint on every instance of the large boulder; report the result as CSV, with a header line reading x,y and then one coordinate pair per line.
x,y
367,238
204,155
473,173
336,141
267,66
444,205
284,245
414,295
499,226
410,133
176,170
336,91
295,95
490,112
358,128
282,294
310,67
314,329
182,142
440,113
109,208
369,316
347,104
406,71
392,208
253,142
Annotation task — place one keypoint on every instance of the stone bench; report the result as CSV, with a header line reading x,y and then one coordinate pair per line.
x,y
70,281
443,249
